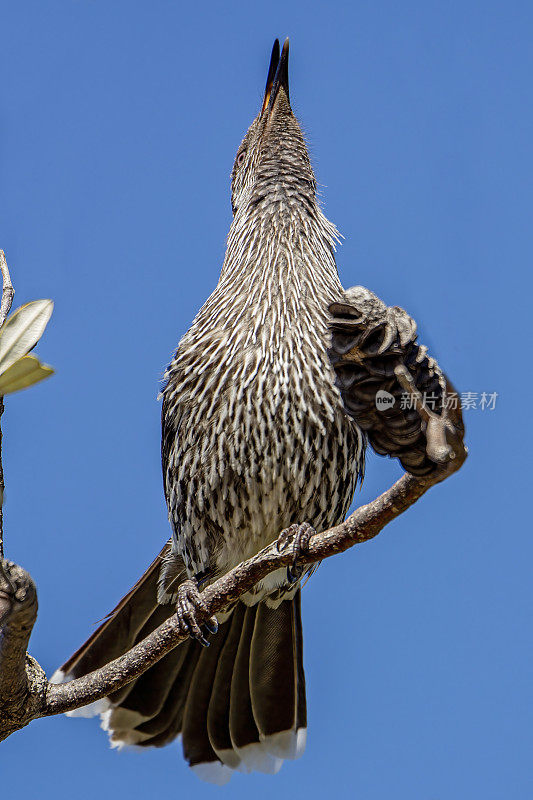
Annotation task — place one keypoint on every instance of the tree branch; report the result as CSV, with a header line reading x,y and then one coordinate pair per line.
x,y
25,693
22,681
8,291
365,523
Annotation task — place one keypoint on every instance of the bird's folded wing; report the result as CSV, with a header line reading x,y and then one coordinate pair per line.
x,y
369,341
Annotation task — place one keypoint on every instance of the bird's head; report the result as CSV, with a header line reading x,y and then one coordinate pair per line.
x,y
272,165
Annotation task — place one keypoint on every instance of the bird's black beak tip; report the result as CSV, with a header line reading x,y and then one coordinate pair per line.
x,y
278,75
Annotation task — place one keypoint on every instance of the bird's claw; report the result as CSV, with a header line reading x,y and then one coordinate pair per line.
x,y
298,536
376,327
187,607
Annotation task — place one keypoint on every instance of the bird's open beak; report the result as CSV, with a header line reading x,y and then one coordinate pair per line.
x,y
278,76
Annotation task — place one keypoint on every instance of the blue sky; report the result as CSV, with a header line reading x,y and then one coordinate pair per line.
x,y
119,125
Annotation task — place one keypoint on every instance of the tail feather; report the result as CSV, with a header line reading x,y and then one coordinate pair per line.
x,y
273,676
277,679
197,748
239,704
242,727
150,691
219,704
166,726
301,715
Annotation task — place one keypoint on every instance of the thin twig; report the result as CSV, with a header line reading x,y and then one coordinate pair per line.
x,y
8,291
5,307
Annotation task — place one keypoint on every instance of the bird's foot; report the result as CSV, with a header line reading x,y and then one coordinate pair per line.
x,y
297,536
187,607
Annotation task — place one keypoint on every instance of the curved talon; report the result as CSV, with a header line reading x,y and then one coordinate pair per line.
x,y
188,604
211,625
388,337
298,535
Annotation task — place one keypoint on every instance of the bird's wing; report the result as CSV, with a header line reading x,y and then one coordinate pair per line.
x,y
371,344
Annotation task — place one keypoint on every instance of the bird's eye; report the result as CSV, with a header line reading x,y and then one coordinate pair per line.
x,y
240,157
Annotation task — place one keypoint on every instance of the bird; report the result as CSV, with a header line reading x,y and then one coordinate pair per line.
x,y
259,435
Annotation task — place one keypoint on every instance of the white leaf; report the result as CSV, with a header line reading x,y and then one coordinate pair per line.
x,y
23,330
23,373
